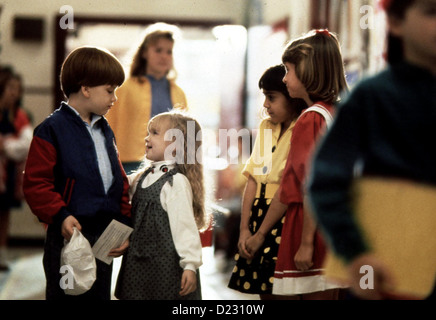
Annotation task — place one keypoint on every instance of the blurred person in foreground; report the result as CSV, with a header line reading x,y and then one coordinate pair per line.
x,y
373,183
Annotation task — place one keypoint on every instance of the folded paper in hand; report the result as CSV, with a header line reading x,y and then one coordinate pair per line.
x,y
113,237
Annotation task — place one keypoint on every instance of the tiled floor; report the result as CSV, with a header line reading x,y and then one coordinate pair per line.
x,y
25,280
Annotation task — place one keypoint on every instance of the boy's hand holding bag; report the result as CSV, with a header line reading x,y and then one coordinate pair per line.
x,y
78,260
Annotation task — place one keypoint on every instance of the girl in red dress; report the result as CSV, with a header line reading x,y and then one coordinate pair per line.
x,y
315,73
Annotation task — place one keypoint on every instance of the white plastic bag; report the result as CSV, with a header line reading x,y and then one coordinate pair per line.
x,y
78,261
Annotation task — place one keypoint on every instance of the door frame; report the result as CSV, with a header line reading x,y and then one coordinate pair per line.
x,y
61,37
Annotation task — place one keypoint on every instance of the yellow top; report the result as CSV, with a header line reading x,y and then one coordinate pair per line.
x,y
265,165
397,218
129,116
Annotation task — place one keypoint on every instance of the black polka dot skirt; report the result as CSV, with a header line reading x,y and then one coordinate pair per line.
x,y
255,276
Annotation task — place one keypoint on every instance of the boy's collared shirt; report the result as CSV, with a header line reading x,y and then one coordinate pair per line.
x,y
98,137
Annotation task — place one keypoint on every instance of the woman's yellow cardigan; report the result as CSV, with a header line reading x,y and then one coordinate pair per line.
x,y
130,114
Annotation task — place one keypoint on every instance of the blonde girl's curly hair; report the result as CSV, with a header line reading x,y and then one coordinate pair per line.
x,y
191,165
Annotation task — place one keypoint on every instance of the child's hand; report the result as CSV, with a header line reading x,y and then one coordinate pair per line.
x,y
189,282
243,236
116,252
303,258
67,227
254,243
383,279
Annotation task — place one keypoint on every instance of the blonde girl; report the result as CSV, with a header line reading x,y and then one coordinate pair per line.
x,y
150,90
315,73
165,250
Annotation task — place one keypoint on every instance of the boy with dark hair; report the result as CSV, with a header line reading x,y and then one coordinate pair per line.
x,y
73,176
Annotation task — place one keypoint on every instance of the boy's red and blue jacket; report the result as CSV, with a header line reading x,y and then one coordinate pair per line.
x,y
62,176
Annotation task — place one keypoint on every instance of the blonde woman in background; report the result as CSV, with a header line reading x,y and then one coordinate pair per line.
x,y
150,90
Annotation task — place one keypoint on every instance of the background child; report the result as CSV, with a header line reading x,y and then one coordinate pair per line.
x,y
73,176
15,137
148,91
264,171
315,73
165,250
385,125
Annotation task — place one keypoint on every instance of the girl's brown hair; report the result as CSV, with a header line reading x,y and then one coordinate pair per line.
x,y
191,165
139,63
90,66
6,74
318,64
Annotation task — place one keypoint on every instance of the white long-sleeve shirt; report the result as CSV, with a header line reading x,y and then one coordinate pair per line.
x,y
176,200
16,148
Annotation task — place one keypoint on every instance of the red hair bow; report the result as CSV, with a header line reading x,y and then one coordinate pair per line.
x,y
323,31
